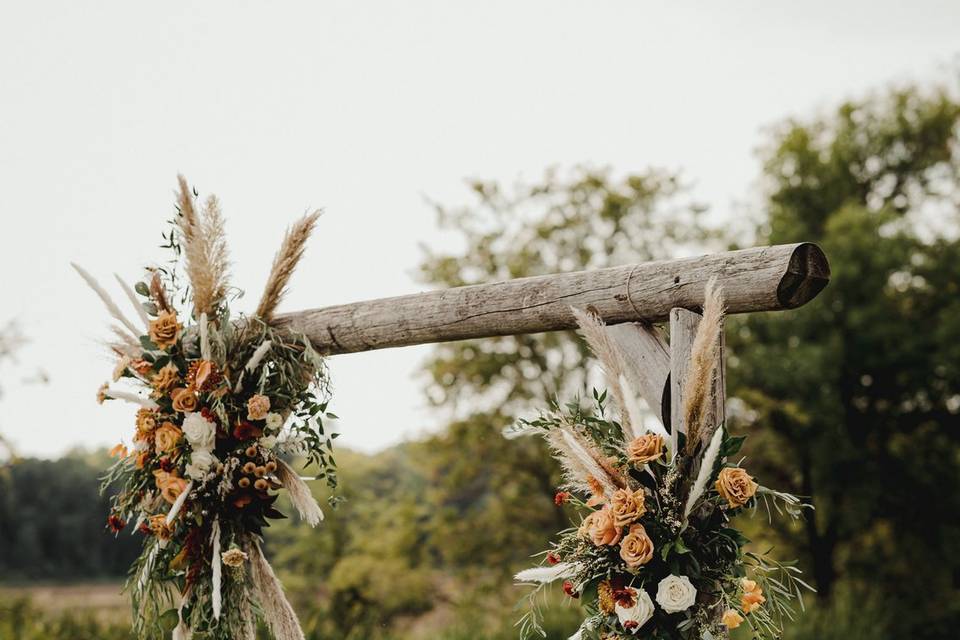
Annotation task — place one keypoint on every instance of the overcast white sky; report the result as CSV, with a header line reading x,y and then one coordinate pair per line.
x,y
364,108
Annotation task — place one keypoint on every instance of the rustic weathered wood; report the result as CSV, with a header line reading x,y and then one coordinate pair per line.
x,y
759,279
683,328
647,363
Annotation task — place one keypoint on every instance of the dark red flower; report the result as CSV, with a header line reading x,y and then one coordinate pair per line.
x,y
630,624
210,416
115,523
569,590
553,558
145,529
166,464
561,498
246,431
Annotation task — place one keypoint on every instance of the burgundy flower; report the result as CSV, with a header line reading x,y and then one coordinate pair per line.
x,y
246,430
569,590
553,558
561,498
115,523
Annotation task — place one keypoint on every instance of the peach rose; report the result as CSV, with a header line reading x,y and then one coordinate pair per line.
x,y
731,619
627,506
636,548
170,485
159,527
258,407
165,379
735,486
646,448
233,557
146,423
184,400
167,436
752,596
165,330
603,527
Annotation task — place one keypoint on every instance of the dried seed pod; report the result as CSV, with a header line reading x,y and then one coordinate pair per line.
x,y
243,483
260,472
249,468
261,485
251,451
271,466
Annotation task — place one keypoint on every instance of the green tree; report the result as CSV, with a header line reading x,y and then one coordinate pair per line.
x,y
855,398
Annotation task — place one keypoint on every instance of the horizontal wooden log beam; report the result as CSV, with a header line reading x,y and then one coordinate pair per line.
x,y
758,279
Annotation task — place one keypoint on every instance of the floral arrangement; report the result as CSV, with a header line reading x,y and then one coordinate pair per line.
x,y
655,554
222,400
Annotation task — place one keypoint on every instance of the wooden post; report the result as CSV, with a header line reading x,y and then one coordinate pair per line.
x,y
647,364
759,279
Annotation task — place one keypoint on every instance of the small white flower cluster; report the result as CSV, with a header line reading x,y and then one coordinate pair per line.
x,y
202,436
674,594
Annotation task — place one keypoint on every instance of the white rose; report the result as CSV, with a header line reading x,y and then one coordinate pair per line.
x,y
675,593
200,432
200,462
634,617
274,421
268,442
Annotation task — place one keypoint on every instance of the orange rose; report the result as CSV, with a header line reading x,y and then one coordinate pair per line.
x,y
146,423
636,548
258,407
731,619
165,379
167,436
627,506
184,400
752,595
735,486
646,448
170,485
603,527
159,527
165,330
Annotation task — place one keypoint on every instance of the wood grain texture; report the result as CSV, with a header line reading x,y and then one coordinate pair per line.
x,y
758,279
646,363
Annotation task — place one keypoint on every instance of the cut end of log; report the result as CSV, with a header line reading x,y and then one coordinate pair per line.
x,y
808,272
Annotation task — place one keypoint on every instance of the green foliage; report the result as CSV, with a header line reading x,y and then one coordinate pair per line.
x,y
856,396
19,620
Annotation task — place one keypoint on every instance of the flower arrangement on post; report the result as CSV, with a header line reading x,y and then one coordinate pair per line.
x,y
222,400
655,554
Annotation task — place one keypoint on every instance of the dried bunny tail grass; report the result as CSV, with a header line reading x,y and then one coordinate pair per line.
x,y
277,612
204,248
546,575
108,302
594,331
158,293
217,569
294,243
706,470
704,362
300,495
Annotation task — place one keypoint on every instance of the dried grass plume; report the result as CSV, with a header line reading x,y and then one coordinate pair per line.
x,y
698,394
284,263
204,248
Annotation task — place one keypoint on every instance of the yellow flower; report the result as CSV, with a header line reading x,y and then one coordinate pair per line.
x,y
731,619
735,486
646,448
606,601
146,423
165,330
167,436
